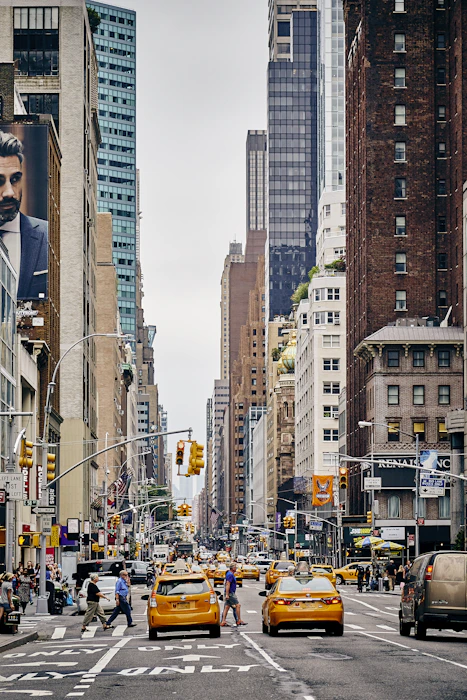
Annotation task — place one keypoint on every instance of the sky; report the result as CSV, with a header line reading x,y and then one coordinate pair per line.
x,y
201,84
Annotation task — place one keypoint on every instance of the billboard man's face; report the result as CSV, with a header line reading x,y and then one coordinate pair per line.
x,y
11,188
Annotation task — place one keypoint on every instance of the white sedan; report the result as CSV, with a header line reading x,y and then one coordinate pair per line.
x,y
106,585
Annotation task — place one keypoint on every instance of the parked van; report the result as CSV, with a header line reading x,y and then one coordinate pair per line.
x,y
435,594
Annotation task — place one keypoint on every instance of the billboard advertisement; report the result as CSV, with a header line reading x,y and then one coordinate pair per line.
x,y
24,187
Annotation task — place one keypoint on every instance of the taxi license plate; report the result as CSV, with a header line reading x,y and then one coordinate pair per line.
x,y
182,606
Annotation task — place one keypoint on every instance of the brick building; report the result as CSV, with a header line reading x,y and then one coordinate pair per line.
x,y
405,169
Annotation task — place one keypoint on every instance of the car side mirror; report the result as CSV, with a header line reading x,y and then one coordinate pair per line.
x,y
74,576
263,594
218,593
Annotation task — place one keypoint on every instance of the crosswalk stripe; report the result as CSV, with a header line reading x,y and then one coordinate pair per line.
x,y
252,612
119,631
59,633
90,633
385,627
354,627
347,612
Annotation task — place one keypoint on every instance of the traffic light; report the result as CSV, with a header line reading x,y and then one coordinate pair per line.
x,y
343,478
188,510
117,519
291,522
180,511
286,522
369,516
196,461
180,452
36,540
25,457
50,467
192,528
24,540
141,527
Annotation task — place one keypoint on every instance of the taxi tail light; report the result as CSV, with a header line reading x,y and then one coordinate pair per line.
x,y
212,598
284,601
332,601
429,572
152,600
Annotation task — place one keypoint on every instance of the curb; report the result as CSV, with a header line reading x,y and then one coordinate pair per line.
x,y
18,641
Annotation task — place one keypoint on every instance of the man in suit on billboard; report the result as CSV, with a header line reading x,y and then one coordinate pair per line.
x,y
25,238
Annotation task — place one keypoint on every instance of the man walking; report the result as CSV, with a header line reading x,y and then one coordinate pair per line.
x,y
121,598
391,574
94,607
231,600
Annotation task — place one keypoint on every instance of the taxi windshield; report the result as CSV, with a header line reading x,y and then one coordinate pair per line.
x,y
283,565
181,587
293,585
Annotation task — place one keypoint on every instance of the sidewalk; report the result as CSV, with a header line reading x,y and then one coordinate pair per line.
x,y
10,641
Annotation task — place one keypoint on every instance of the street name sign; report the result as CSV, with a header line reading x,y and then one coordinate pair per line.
x,y
372,483
44,510
12,483
290,531
30,502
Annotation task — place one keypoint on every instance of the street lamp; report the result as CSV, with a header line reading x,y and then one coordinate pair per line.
x,y
42,608
367,424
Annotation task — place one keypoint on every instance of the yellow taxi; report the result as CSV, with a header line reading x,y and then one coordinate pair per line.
x,y
170,568
324,570
218,576
277,569
222,556
183,601
348,573
302,602
250,571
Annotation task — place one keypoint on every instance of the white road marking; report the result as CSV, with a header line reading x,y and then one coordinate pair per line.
x,y
119,631
252,612
382,612
59,633
91,631
308,697
354,627
347,612
387,608
385,627
74,695
316,636
108,656
424,653
263,653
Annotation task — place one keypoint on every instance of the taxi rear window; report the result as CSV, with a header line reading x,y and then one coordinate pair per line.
x,y
293,585
182,587
283,565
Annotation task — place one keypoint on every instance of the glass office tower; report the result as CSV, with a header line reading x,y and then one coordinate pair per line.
x,y
115,42
292,139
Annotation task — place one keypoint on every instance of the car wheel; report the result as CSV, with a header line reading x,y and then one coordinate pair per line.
x,y
215,632
420,630
337,630
339,580
273,630
404,628
265,628
152,634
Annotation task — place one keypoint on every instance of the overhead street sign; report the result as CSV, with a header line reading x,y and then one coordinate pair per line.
x,y
372,483
44,510
315,525
430,488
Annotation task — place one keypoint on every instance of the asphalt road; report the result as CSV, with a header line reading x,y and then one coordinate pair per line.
x,y
371,661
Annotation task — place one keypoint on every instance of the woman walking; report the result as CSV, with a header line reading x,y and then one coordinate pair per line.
x,y
24,588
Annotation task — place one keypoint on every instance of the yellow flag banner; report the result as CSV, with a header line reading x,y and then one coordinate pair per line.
x,y
322,490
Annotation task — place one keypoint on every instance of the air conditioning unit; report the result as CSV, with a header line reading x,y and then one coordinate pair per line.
x,y
337,322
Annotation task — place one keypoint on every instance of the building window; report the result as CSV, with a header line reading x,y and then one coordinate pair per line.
x,y
441,75
330,411
393,358
421,507
399,77
444,358
394,507
393,395
343,208
331,365
331,388
419,358
394,431
399,42
442,298
400,188
327,210
442,224
400,227
399,5
418,393
400,151
441,40
399,115
419,429
442,188
441,149
324,317
330,435
283,28
442,261
444,507
401,262
36,40
331,341
441,113
443,435
401,300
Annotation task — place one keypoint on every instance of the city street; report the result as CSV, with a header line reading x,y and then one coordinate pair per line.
x,y
370,661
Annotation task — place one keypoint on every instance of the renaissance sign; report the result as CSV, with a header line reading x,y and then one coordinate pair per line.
x,y
395,472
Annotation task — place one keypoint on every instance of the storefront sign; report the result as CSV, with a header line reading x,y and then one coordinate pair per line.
x,y
393,533
395,472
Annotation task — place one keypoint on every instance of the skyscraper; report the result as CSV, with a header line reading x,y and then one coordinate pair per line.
x,y
292,151
235,256
115,43
256,180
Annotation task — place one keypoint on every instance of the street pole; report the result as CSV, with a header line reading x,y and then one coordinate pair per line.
x,y
417,481
296,530
42,607
10,504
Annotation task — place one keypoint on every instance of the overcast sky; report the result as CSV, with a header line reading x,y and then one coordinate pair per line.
x,y
201,84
